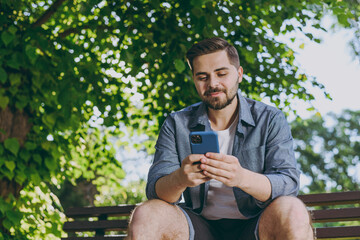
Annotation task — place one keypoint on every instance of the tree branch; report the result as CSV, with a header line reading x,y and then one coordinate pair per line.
x,y
51,10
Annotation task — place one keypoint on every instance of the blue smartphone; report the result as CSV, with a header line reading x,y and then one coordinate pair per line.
x,y
203,142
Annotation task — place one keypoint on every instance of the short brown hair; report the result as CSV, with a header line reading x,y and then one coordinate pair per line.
x,y
212,45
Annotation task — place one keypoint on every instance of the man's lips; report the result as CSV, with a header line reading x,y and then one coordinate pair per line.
x,y
213,94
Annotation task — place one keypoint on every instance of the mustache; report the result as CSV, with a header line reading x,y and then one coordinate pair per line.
x,y
212,90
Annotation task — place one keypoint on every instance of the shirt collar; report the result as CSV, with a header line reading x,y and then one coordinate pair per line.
x,y
244,112
199,119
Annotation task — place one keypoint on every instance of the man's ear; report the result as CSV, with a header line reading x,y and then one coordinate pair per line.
x,y
240,73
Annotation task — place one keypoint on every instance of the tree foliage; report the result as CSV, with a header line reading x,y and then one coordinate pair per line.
x,y
328,151
67,67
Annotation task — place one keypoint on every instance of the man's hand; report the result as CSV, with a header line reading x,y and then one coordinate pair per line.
x,y
224,168
190,174
227,169
170,187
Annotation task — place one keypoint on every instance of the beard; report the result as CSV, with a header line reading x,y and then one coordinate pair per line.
x,y
218,103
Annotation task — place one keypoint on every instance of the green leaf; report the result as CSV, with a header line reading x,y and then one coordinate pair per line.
x,y
15,79
14,216
10,165
179,65
4,206
7,37
12,29
309,35
343,19
49,120
22,101
31,53
24,154
7,224
7,173
77,173
37,158
12,145
3,75
20,177
30,145
35,178
15,60
4,101
50,164
46,145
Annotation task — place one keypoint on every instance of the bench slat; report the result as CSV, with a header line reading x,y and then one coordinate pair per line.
x,y
121,210
338,232
335,215
107,225
336,198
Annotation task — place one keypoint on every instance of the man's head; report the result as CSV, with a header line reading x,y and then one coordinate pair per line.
x,y
212,45
216,72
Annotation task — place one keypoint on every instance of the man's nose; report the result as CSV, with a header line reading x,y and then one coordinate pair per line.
x,y
213,81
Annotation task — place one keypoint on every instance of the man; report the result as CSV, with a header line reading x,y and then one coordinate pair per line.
x,y
244,192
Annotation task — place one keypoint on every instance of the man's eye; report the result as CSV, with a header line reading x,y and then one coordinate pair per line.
x,y
202,78
221,74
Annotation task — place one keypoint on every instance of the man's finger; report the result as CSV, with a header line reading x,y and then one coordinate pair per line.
x,y
194,158
214,170
216,177
216,156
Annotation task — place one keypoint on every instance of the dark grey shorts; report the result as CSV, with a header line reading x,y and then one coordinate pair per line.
x,y
230,229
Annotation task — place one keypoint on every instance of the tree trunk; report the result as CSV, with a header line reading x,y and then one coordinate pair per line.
x,y
12,126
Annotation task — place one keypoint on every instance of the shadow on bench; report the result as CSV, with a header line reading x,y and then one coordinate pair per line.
x,y
326,210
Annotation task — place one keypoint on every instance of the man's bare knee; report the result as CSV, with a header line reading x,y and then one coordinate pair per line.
x,y
157,219
289,217
147,209
293,208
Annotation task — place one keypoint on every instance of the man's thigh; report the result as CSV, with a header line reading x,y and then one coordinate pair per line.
x,y
236,229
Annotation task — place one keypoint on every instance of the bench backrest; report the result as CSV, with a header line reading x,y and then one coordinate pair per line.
x,y
326,210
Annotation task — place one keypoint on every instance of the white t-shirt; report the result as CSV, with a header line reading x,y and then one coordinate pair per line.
x,y
221,201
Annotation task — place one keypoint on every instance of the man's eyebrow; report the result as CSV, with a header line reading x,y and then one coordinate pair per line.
x,y
216,70
200,73
222,68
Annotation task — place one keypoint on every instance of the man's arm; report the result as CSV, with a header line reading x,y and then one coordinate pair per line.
x,y
170,187
256,185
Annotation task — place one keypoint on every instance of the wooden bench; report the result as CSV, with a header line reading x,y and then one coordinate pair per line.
x,y
326,210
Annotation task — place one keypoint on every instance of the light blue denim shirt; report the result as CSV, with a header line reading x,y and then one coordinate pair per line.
x,y
262,144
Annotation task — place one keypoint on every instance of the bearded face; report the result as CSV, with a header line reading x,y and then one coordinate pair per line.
x,y
216,101
216,79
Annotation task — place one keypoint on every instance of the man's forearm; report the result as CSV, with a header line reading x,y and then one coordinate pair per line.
x,y
169,188
256,185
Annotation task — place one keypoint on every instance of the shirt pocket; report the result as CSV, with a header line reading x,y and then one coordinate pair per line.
x,y
253,159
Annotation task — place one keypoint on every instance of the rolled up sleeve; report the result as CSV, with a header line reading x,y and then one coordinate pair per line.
x,y
166,159
281,167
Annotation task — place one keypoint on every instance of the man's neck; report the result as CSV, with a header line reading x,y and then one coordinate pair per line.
x,y
222,119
